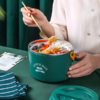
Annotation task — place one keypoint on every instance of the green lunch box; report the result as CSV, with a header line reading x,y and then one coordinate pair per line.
x,y
49,67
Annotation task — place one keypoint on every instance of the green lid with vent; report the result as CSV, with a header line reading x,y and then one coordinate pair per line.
x,y
73,93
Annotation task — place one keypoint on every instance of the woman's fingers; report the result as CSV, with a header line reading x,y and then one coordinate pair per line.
x,y
26,21
34,11
77,65
38,15
27,16
84,73
31,10
30,25
78,70
81,54
24,11
29,19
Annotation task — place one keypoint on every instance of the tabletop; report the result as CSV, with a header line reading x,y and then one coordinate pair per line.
x,y
40,90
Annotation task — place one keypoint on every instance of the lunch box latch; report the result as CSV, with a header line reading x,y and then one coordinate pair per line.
x,y
72,55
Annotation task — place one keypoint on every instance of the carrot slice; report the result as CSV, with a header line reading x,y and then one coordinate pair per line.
x,y
46,45
43,48
35,50
37,41
64,51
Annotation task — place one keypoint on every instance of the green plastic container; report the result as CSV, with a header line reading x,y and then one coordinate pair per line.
x,y
49,68
74,93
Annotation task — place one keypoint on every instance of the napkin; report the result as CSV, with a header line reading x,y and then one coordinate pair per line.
x,y
10,88
9,60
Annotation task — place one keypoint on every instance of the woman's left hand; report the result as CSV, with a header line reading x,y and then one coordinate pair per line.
x,y
86,66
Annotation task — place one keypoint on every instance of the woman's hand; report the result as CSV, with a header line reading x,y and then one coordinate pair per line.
x,y
40,18
38,15
86,66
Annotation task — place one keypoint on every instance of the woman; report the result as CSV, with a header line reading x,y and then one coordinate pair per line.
x,y
77,21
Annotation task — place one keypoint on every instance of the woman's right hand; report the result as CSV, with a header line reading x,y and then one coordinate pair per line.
x,y
38,15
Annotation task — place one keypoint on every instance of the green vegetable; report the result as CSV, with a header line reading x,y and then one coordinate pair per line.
x,y
2,14
39,51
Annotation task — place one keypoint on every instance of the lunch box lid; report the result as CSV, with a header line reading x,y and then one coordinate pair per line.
x,y
74,93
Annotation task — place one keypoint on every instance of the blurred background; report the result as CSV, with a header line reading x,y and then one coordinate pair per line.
x,y
13,32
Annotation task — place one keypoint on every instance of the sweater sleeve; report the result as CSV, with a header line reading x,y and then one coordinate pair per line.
x,y
58,20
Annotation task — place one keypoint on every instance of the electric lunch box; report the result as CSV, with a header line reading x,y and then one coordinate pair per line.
x,y
49,67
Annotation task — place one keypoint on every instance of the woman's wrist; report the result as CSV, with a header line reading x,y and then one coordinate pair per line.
x,y
98,60
45,24
48,29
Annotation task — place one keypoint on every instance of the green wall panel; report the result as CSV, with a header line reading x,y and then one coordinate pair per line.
x,y
3,25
